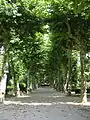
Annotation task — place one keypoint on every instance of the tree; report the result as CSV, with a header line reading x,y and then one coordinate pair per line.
x,y
74,22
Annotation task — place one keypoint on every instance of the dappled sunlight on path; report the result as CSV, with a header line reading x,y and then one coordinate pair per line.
x,y
44,104
46,95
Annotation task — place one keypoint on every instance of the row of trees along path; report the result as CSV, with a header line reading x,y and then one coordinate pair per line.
x,y
44,42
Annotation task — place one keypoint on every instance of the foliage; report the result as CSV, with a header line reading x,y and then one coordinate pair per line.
x,y
43,39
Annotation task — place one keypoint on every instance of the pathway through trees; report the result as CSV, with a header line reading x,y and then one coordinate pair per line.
x,y
44,104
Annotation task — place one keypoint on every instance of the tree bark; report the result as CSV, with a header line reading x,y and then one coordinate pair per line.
x,y
15,78
3,78
68,82
59,79
28,81
83,79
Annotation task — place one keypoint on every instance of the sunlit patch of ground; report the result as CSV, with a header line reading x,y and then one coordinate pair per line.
x,y
20,103
52,103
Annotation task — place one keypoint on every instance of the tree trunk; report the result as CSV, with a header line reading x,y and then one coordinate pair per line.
x,y
56,84
65,80
69,72
31,86
4,66
28,81
83,79
59,79
16,85
3,74
18,89
3,59
34,83
3,87
15,78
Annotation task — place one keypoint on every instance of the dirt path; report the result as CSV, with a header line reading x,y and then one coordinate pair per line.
x,y
44,104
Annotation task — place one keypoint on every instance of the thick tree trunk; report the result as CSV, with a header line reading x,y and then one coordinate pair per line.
x,y
28,81
83,79
31,86
69,45
69,72
18,89
15,78
3,87
61,88
16,85
4,66
56,84
59,79
65,80
34,83
3,74
59,83
3,59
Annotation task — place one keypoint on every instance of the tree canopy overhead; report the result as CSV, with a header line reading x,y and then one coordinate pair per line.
x,y
45,41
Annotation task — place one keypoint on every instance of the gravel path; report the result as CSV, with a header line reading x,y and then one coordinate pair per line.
x,y
44,104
